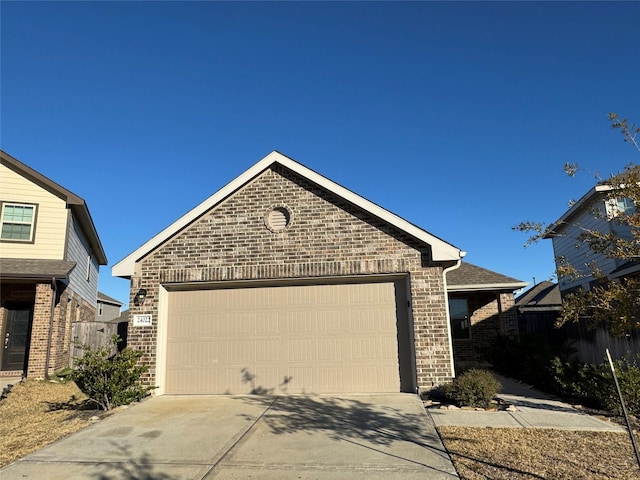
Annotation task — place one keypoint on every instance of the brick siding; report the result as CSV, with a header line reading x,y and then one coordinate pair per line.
x,y
327,237
492,314
68,308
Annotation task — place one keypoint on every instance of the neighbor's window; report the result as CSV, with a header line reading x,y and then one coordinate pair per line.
x,y
620,205
18,222
459,314
625,205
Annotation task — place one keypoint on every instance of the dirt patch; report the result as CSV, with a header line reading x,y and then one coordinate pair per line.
x,y
37,413
528,454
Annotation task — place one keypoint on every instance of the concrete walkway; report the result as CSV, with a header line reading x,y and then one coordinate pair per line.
x,y
533,409
370,437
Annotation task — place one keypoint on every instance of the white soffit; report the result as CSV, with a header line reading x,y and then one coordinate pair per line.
x,y
441,250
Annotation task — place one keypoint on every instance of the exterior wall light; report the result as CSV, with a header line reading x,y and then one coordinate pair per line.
x,y
139,298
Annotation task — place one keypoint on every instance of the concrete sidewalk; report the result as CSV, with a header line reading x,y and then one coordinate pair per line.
x,y
533,409
7,382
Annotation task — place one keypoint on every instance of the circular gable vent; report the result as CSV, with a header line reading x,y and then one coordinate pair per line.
x,y
278,219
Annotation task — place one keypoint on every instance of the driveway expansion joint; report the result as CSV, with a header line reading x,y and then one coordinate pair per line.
x,y
239,439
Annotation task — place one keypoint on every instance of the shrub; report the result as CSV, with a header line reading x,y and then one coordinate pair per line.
x,y
529,358
474,388
110,380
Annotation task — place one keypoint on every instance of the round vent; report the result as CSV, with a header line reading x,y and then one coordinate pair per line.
x,y
278,219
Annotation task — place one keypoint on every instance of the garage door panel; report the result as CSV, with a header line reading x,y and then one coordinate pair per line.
x,y
293,339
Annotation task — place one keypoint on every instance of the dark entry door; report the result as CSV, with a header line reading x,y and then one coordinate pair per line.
x,y
16,336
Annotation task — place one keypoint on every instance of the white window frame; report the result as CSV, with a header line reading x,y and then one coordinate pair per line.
x,y
619,206
32,224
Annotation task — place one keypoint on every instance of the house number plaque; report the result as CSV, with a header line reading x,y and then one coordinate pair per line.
x,y
142,321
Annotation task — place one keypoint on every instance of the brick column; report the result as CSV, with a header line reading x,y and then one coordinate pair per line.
x,y
40,331
430,328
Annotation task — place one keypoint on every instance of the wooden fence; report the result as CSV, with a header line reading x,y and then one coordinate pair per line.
x,y
96,334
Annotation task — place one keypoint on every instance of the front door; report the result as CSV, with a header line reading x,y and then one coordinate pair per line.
x,y
15,338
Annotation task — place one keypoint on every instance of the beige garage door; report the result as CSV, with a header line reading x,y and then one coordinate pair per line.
x,y
284,339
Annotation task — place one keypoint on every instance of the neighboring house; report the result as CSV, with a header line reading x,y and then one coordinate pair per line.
x,y
50,254
107,308
286,282
594,212
538,309
481,306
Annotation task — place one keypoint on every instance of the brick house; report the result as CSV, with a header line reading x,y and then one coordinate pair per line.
x,y
284,281
50,254
481,306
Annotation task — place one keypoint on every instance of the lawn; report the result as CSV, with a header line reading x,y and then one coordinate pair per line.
x,y
36,413
535,454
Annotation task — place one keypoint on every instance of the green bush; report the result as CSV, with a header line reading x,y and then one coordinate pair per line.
x,y
110,380
554,370
628,374
474,388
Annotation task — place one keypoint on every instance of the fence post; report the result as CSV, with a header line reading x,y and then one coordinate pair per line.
x,y
624,408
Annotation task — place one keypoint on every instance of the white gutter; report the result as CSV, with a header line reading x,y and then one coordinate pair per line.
x,y
446,304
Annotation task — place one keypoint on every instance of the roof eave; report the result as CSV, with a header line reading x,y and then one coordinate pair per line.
x,y
487,286
73,201
440,250
574,209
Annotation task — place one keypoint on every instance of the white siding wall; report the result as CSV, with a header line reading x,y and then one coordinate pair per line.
x,y
78,251
578,253
51,219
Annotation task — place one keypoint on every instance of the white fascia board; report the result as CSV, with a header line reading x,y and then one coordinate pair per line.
x,y
441,250
486,286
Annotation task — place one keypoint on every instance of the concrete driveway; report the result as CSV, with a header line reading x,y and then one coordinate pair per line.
x,y
207,437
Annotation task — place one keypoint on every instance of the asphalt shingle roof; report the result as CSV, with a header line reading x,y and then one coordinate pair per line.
x,y
544,294
469,274
30,268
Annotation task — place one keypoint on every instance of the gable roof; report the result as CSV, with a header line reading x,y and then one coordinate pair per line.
x,y
542,296
77,205
441,250
585,201
107,299
469,277
597,191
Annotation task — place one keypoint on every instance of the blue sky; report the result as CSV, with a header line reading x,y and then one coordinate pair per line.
x,y
456,116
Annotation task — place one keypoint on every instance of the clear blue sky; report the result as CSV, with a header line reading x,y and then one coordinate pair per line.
x,y
456,116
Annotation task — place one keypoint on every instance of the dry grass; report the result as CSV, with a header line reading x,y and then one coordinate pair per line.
x,y
528,454
37,413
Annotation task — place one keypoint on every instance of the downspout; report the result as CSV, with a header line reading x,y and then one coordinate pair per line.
x,y
54,286
446,302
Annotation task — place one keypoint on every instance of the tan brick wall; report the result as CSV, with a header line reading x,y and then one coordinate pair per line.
x,y
327,238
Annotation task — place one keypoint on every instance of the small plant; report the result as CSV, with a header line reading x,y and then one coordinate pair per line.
x,y
110,380
474,388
